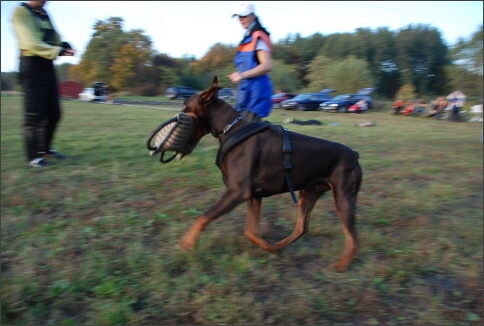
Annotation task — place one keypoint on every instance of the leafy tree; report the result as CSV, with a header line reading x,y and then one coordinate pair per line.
x,y
383,64
101,51
382,58
108,52
468,53
338,46
467,71
288,52
217,61
421,58
406,93
317,74
349,75
363,45
166,71
162,59
218,56
168,77
131,58
188,76
284,77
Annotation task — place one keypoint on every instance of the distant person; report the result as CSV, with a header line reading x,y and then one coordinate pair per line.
x,y
456,104
253,62
437,107
39,45
397,106
421,107
409,108
362,105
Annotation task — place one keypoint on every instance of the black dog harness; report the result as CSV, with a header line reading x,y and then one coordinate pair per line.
x,y
287,149
252,128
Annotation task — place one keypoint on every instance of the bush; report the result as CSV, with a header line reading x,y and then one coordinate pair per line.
x,y
381,106
147,90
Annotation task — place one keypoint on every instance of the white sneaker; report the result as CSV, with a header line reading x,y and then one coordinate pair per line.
x,y
39,163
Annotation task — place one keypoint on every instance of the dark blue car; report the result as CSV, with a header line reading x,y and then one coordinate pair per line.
x,y
341,103
307,101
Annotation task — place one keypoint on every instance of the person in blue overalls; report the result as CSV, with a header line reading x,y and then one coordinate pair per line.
x,y
253,62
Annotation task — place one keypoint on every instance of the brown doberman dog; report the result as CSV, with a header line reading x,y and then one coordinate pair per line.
x,y
257,167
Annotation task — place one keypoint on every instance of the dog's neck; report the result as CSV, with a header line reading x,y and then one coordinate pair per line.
x,y
227,127
223,119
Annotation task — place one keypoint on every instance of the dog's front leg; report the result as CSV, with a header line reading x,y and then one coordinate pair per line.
x,y
190,238
227,202
252,227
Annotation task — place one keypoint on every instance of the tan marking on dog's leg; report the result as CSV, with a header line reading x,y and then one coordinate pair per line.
x,y
227,201
190,238
252,231
351,248
253,216
307,200
346,208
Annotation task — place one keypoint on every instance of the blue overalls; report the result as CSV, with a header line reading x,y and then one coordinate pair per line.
x,y
254,94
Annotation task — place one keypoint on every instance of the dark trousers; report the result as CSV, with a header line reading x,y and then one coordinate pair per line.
x,y
249,116
42,110
454,114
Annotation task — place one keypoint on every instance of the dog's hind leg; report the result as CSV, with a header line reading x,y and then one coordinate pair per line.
x,y
307,200
229,200
252,231
346,209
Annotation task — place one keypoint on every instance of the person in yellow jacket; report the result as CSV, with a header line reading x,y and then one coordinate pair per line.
x,y
39,45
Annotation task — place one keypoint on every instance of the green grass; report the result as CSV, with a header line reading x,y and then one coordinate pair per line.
x,y
92,240
151,98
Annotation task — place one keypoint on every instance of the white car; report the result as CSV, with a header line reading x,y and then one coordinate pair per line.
x,y
88,95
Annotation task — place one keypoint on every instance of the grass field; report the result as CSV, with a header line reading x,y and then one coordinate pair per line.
x,y
92,240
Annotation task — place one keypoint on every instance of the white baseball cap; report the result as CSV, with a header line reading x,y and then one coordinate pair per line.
x,y
244,9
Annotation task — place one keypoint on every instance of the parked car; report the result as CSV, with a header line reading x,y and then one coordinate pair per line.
x,y
98,92
226,94
342,102
179,92
307,101
279,97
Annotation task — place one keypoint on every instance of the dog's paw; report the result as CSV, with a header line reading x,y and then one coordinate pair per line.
x,y
182,248
272,248
186,245
340,267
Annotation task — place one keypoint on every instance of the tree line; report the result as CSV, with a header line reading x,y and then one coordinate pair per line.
x,y
414,56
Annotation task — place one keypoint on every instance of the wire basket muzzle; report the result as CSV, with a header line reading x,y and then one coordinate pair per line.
x,y
174,135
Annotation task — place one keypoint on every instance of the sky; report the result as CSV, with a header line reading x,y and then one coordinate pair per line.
x,y
186,28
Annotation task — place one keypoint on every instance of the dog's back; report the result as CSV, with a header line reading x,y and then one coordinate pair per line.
x,y
261,159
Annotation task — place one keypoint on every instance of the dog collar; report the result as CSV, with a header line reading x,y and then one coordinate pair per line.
x,y
227,127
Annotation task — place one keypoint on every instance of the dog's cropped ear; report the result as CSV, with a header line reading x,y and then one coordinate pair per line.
x,y
211,93
214,82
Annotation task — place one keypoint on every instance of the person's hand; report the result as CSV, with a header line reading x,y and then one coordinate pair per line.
x,y
67,50
235,77
67,53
